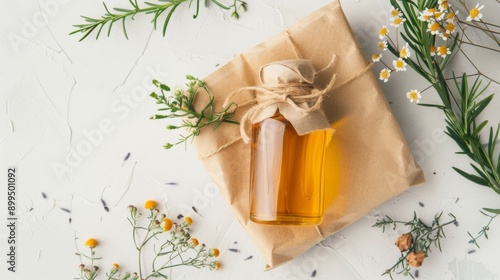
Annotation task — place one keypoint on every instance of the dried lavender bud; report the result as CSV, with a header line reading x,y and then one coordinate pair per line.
x,y
313,273
249,257
65,210
44,195
196,211
234,250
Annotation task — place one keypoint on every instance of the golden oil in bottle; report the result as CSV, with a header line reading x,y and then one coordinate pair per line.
x,y
287,174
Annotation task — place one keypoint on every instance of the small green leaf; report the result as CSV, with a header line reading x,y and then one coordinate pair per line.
x,y
164,87
493,211
473,178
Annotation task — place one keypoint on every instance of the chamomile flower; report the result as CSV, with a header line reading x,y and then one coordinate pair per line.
x,y
444,35
433,28
433,50
396,21
427,15
450,27
414,95
439,15
475,13
443,51
443,5
395,12
382,45
399,64
385,74
404,52
450,17
383,32
376,57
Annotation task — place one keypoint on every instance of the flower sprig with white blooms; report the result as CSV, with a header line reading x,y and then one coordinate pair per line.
x,y
428,35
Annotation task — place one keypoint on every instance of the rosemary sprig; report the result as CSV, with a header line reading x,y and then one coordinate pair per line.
x,y
462,103
156,9
485,229
424,239
181,105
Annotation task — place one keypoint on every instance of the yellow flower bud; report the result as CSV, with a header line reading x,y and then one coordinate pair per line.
x,y
91,243
217,265
150,204
188,220
167,224
215,252
195,242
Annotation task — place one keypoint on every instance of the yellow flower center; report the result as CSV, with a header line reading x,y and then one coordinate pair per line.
x,y
384,74
398,21
413,95
443,50
450,16
394,12
474,12
381,45
375,56
400,63
403,53
434,27
450,27
383,31
432,10
433,49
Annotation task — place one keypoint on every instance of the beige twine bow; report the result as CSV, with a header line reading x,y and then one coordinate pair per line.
x,y
303,97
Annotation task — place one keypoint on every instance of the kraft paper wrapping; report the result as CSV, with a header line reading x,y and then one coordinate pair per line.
x,y
368,156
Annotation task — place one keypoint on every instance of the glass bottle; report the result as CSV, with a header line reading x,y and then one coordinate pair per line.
x,y
287,173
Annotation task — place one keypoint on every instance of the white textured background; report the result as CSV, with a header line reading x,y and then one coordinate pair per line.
x,y
57,93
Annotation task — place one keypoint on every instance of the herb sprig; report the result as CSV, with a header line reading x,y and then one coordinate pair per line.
x,y
171,242
181,105
156,9
423,239
485,229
